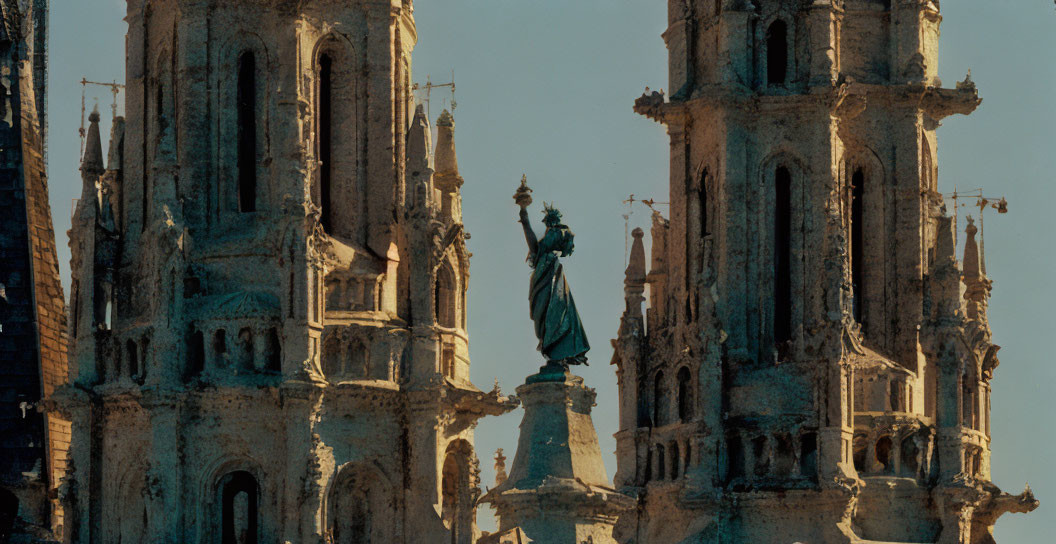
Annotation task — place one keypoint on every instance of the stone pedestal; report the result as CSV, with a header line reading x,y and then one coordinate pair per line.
x,y
557,491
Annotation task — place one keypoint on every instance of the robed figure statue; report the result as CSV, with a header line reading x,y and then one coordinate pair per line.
x,y
562,340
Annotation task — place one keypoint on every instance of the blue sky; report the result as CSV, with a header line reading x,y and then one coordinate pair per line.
x,y
546,87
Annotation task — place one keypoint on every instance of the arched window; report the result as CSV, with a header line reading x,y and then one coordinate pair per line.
x,y
324,127
661,462
685,395
358,360
808,455
144,351
219,344
444,297
360,508
910,461
895,396
761,454
457,503
274,353
858,242
883,454
333,362
658,400
777,53
245,352
782,255
239,515
676,458
247,132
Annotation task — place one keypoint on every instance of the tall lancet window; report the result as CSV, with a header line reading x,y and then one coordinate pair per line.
x,y
858,242
247,132
782,255
326,145
777,53
239,498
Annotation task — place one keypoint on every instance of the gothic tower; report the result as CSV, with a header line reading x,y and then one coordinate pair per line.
x,y
33,440
808,369
269,298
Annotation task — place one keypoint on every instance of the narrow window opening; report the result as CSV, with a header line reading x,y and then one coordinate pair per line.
x,y
883,453
735,455
245,340
675,459
860,448
239,498
197,353
777,53
910,460
702,203
858,242
274,348
144,359
761,453
895,396
808,455
326,148
247,132
685,398
783,256
658,397
133,359
661,462
220,342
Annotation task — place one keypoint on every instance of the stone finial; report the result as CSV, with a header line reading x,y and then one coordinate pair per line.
x,y
446,158
500,467
92,161
977,285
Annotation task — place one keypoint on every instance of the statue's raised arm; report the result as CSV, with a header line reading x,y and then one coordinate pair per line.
x,y
562,340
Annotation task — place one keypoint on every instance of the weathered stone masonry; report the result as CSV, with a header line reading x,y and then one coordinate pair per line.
x,y
814,365
270,280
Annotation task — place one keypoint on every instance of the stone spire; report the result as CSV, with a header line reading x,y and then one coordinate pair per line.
x,y
115,158
634,276
500,467
92,161
419,159
977,286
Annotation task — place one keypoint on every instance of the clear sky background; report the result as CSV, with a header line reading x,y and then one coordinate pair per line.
x,y
545,88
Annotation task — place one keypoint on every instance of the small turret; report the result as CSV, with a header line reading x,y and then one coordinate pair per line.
x,y
446,158
419,159
977,286
448,181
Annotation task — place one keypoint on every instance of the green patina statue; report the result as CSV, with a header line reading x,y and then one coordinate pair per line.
x,y
562,340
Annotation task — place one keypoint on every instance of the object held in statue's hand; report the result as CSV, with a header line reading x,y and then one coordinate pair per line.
x,y
523,196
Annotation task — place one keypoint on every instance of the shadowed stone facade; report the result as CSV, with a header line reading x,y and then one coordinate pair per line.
x,y
33,441
269,289
815,362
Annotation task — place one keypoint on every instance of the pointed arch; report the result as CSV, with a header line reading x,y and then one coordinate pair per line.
x,y
777,53
243,82
360,506
783,181
458,490
865,215
445,295
340,187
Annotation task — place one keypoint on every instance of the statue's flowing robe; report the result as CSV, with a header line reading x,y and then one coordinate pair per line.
x,y
557,325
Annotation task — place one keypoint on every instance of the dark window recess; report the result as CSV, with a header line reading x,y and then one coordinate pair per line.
x,y
858,242
326,146
685,395
777,53
808,455
782,256
247,132
133,359
196,354
658,397
239,497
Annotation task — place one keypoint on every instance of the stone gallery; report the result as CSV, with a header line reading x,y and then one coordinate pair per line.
x,y
265,336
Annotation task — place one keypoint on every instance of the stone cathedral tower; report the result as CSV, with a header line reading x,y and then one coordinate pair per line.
x,y
270,279
814,365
